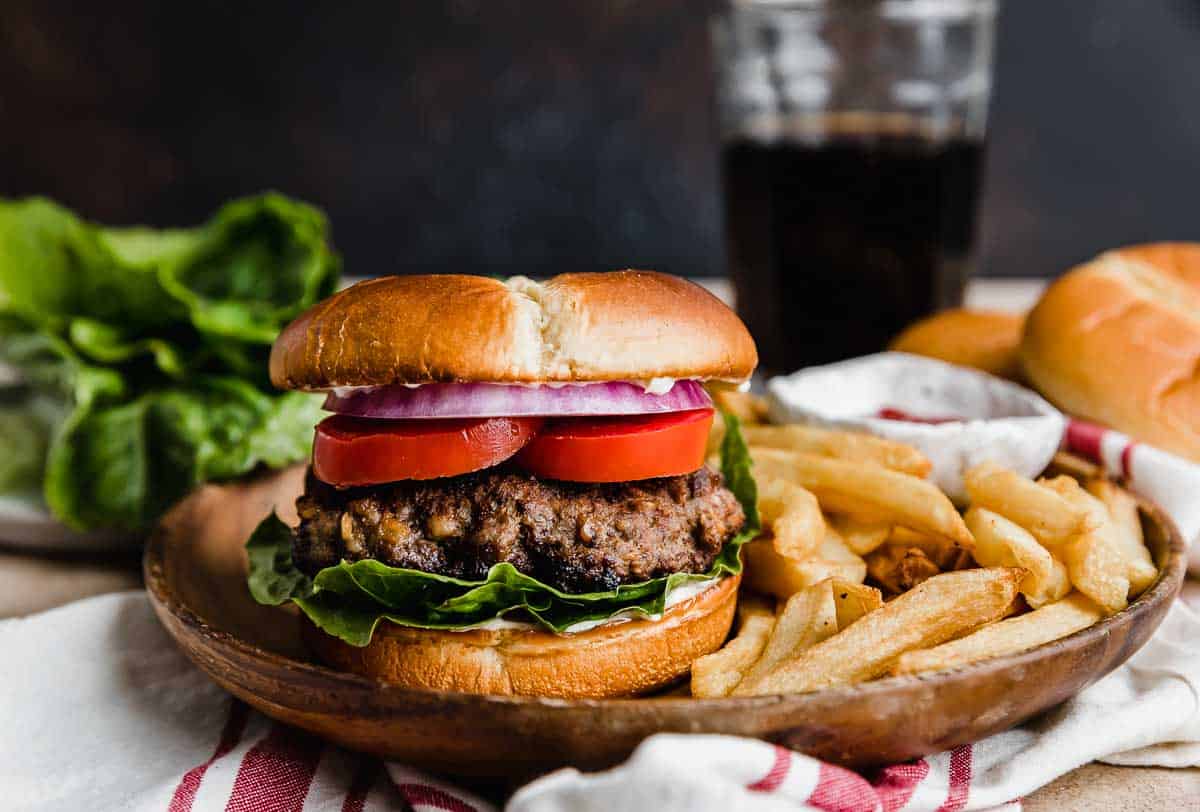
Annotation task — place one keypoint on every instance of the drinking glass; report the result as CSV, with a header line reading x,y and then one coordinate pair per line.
x,y
852,141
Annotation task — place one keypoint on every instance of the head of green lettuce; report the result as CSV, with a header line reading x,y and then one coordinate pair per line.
x,y
143,353
349,600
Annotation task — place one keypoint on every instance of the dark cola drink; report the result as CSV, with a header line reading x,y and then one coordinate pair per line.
x,y
836,241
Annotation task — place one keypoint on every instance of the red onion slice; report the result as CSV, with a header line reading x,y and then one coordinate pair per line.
x,y
438,400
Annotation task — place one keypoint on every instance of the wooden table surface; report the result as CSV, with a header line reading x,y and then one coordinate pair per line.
x,y
33,583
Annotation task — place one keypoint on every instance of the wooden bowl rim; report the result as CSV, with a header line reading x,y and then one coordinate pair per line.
x,y
1164,588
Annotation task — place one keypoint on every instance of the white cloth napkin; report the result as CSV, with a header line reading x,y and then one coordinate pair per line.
x,y
99,710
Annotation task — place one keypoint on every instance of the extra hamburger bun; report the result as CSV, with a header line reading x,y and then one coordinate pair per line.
x,y
1117,340
982,339
617,659
624,325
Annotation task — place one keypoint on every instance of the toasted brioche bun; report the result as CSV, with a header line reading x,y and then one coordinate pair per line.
x,y
1117,340
617,659
624,325
983,339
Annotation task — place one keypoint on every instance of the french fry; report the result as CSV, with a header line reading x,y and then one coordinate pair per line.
x,y
1043,512
770,573
1095,559
1064,462
749,606
946,555
1015,634
748,408
1127,530
853,600
793,516
719,673
844,445
1001,543
867,492
712,447
941,608
860,537
898,568
833,559
806,619
745,406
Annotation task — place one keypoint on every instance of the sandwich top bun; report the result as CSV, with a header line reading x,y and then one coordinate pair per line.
x,y
617,659
1117,340
982,339
623,325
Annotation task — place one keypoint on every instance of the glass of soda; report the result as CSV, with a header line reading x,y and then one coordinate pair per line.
x,y
852,138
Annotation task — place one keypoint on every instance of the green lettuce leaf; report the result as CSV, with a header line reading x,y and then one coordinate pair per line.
x,y
54,266
108,344
24,438
221,278
123,465
735,468
152,347
273,579
254,266
349,600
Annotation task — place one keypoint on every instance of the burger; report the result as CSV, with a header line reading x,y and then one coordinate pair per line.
x,y
511,494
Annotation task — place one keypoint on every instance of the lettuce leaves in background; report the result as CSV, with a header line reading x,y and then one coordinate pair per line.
x,y
123,465
150,347
24,436
349,600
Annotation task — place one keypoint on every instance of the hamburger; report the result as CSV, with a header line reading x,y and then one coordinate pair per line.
x,y
510,495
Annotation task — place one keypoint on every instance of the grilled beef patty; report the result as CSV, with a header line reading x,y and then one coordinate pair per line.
x,y
574,536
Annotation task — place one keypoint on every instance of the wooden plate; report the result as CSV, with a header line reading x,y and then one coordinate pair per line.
x,y
195,570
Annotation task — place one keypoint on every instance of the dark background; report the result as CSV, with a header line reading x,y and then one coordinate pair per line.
x,y
541,135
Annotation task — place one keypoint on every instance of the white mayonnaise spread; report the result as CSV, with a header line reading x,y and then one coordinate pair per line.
x,y
653,386
676,596
657,386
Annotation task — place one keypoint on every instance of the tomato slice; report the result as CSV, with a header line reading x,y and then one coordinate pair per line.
x,y
619,449
355,451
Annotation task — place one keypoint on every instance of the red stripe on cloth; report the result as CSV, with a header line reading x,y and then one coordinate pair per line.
x,y
776,775
1127,460
896,784
839,790
960,779
276,773
1085,438
423,796
364,779
231,734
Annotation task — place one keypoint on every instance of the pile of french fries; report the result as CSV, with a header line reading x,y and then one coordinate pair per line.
x,y
866,569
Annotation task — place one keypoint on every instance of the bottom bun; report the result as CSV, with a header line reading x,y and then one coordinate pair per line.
x,y
618,659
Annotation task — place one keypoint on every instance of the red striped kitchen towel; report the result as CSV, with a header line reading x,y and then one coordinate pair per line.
x,y
1169,480
258,765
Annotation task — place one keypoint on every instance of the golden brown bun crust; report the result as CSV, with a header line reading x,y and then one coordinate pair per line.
x,y
1117,340
619,659
623,325
983,339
